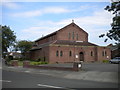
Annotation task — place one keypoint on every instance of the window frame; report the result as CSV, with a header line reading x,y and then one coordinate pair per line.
x,y
57,53
70,53
61,53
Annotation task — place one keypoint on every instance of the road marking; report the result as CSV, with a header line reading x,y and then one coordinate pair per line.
x,y
5,81
49,86
27,71
11,67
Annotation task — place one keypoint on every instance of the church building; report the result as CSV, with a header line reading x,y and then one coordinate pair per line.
x,y
68,44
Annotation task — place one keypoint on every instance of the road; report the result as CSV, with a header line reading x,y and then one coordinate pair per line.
x,y
13,79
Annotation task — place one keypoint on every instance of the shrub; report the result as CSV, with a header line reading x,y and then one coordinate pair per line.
x,y
105,61
37,63
20,63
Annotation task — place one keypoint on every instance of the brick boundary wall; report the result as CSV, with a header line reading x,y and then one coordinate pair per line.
x,y
74,68
14,63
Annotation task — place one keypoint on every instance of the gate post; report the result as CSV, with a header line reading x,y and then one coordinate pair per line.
x,y
14,62
77,66
26,63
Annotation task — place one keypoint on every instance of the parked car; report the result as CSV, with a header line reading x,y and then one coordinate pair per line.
x,y
115,60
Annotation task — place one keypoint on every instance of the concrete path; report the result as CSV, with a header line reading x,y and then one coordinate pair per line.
x,y
108,73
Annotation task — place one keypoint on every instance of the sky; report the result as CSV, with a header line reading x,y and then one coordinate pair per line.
x,y
32,20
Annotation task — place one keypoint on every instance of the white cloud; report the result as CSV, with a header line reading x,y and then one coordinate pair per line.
x,y
27,14
47,10
95,25
56,0
10,5
99,18
55,10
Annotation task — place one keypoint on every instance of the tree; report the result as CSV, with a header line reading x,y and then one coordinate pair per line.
x,y
114,33
24,46
8,38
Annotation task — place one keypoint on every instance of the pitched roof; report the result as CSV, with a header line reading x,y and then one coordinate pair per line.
x,y
66,42
63,42
51,34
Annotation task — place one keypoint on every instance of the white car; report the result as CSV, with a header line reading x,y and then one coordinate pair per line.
x,y
115,60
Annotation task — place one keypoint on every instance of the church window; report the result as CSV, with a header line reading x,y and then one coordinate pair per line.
x,y
70,53
91,53
69,35
57,53
61,53
102,53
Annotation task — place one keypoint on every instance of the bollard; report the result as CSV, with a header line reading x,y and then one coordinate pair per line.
x,y
26,63
14,63
77,66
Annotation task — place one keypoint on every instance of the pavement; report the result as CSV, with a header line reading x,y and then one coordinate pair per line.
x,y
100,72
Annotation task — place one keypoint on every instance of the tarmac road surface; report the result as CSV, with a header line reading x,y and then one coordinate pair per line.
x,y
13,79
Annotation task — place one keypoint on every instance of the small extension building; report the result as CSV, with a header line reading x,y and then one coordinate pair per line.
x,y
68,44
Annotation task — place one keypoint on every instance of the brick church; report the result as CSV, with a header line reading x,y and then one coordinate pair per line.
x,y
68,44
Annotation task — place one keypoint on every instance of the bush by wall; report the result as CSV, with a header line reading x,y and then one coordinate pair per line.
x,y
105,61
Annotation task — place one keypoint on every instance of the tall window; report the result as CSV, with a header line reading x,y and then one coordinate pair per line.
x,y
69,35
91,53
102,53
73,35
57,53
77,36
70,53
61,53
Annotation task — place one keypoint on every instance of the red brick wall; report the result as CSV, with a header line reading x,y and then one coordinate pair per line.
x,y
44,52
64,34
51,38
50,53
75,51
100,51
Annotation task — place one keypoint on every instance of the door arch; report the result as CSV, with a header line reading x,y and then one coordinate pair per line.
x,y
81,56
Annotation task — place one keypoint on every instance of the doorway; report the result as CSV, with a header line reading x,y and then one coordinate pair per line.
x,y
81,55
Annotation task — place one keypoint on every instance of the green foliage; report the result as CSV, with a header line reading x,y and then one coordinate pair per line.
x,y
37,63
114,33
24,46
8,38
105,61
20,63
41,59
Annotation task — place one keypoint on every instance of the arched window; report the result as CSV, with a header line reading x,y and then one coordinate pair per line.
x,y
61,53
57,53
91,53
70,53
102,53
